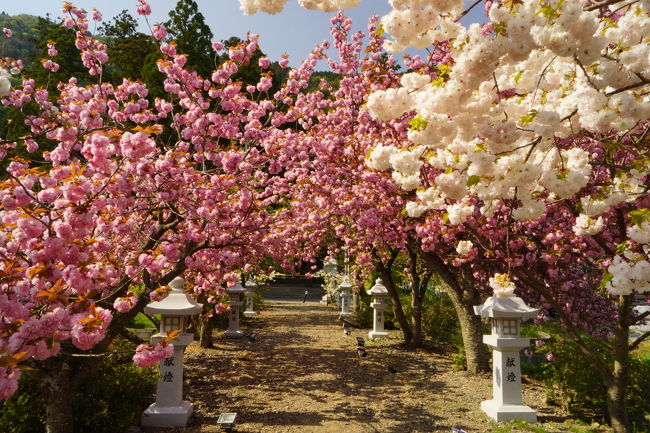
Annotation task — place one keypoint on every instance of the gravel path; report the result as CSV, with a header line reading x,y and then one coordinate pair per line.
x,y
302,374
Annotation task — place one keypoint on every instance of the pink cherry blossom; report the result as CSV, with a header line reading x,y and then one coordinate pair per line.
x,y
148,356
159,31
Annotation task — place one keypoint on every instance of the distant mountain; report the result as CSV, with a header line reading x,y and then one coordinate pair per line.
x,y
21,45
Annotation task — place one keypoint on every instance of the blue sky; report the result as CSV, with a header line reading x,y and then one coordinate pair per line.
x,y
294,31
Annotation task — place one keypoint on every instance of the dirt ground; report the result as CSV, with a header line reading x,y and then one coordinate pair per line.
x,y
302,374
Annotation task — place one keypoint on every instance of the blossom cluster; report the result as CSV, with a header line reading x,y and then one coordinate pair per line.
x,y
114,206
250,7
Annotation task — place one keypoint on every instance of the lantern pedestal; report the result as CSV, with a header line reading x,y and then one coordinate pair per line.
x,y
167,416
235,293
507,403
170,410
378,293
506,314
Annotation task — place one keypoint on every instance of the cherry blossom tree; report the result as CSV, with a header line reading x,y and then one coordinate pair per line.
x,y
122,206
539,124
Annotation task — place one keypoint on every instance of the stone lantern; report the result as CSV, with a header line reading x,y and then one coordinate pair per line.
x,y
506,313
170,410
378,293
346,297
331,267
250,295
235,293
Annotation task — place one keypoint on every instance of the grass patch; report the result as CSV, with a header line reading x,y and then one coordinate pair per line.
x,y
643,350
574,426
140,322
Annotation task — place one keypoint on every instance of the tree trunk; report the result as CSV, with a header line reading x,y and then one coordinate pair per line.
x,y
416,316
384,272
207,325
464,296
617,384
472,332
615,378
58,400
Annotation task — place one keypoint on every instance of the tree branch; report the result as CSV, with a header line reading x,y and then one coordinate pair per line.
x,y
602,5
641,317
466,11
639,340
643,82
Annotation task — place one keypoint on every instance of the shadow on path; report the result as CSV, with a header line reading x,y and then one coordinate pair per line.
x,y
301,374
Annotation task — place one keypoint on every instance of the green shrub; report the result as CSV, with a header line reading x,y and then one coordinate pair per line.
x,y
363,315
115,395
23,412
439,320
110,400
459,359
582,391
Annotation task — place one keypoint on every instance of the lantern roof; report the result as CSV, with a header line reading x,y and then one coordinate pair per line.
x,y
346,283
251,283
237,288
378,288
505,307
177,303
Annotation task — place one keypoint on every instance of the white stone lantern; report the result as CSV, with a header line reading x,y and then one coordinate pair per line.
x,y
250,296
170,410
346,297
506,313
378,293
331,267
235,293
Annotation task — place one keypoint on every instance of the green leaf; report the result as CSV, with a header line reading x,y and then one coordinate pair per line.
x,y
640,216
528,118
473,180
438,82
501,28
418,123
605,280
621,247
518,76
548,11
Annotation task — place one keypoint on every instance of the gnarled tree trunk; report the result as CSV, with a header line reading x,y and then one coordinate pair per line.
x,y
418,291
464,296
57,393
384,271
207,326
471,330
617,383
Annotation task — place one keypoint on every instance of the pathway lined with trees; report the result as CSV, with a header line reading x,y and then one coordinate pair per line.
x,y
512,156
302,374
